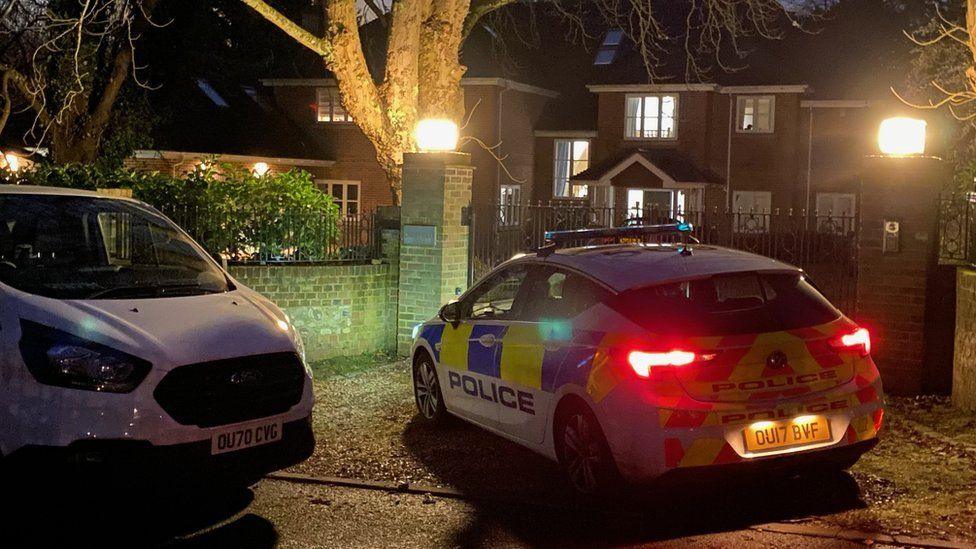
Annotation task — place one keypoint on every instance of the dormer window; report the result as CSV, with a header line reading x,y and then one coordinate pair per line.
x,y
652,116
756,114
328,106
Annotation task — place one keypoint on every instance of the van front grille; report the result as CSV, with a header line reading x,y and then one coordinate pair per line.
x,y
227,391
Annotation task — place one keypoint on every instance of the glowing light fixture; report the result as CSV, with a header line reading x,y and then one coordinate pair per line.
x,y
12,162
437,135
902,136
260,168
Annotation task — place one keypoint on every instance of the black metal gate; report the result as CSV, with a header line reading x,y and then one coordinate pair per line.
x,y
822,244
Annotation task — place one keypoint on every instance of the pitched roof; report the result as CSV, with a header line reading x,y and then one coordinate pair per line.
x,y
668,162
231,119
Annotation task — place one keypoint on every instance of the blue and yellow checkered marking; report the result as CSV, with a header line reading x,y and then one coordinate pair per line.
x,y
521,355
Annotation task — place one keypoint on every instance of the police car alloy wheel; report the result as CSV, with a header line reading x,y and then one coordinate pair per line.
x,y
427,390
583,452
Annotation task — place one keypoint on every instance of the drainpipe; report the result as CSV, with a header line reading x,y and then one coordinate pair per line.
x,y
498,139
728,155
806,220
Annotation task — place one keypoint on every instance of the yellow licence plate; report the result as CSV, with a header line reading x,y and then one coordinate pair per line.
x,y
764,436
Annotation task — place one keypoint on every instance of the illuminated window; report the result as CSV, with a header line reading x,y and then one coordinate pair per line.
x,y
345,194
329,107
652,117
836,212
509,197
572,156
756,114
751,211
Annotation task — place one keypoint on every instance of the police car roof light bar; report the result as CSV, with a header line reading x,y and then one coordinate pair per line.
x,y
554,238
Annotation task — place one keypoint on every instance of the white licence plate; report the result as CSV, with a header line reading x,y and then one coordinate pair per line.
x,y
236,438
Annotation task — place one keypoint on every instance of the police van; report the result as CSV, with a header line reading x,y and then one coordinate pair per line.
x,y
633,361
125,344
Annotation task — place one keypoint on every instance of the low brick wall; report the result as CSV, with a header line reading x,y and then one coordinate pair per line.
x,y
340,310
964,360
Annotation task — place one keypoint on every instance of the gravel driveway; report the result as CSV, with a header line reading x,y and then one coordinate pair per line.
x,y
919,481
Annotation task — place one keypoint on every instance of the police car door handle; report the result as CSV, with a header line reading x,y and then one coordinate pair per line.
x,y
487,340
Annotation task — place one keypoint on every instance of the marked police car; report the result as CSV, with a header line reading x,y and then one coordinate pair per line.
x,y
639,360
125,344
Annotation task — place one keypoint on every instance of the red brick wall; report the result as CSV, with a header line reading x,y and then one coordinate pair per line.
x,y
356,159
891,288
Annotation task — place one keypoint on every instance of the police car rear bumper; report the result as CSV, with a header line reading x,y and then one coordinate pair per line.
x,y
833,458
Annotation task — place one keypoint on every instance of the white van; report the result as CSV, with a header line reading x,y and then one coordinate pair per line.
x,y
124,343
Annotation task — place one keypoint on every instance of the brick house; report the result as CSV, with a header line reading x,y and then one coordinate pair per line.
x,y
577,125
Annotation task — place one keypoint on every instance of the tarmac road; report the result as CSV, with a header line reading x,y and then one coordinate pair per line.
x,y
277,513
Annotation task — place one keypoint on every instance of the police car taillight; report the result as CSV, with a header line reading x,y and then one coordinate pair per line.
x,y
859,339
642,362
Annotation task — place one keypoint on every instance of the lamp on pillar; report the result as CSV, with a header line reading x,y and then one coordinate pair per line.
x,y
898,278
436,135
434,259
902,136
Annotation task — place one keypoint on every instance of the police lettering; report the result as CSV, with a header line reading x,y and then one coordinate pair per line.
x,y
783,413
492,392
773,383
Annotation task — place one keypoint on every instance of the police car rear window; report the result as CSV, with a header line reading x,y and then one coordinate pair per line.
x,y
727,304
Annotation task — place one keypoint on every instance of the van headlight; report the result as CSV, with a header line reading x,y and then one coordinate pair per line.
x,y
61,359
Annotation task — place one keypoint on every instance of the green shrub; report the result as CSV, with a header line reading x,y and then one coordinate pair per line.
x,y
229,210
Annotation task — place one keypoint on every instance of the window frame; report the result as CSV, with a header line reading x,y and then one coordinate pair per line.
x,y
490,282
343,202
643,96
509,213
847,221
740,106
737,225
334,101
556,161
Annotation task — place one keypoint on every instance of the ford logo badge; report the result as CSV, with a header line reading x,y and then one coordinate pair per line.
x,y
245,377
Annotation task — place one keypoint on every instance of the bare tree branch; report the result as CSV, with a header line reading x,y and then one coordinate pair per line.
x,y
302,36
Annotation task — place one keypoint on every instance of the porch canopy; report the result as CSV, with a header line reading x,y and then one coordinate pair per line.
x,y
645,168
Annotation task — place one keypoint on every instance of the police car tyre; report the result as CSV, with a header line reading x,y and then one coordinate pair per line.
x,y
427,389
583,452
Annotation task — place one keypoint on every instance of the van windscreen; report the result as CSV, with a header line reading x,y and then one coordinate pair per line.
x,y
727,304
80,247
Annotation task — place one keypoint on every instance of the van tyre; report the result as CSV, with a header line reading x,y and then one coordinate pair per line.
x,y
583,452
427,390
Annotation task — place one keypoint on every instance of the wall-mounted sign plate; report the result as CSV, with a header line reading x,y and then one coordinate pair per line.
x,y
420,235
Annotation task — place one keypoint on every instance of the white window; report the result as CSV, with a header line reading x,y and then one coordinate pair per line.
x,y
572,156
508,205
345,194
328,106
836,212
652,117
756,114
751,211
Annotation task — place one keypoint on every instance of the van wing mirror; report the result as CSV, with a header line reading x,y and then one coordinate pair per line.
x,y
451,313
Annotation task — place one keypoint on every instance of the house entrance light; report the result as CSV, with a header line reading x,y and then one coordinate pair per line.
x,y
260,168
436,135
11,161
902,136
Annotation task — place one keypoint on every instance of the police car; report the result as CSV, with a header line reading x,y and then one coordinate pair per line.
x,y
629,361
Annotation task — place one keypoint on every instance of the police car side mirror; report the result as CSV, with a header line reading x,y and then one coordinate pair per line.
x,y
451,313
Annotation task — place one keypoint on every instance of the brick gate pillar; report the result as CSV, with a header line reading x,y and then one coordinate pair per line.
x,y
434,242
894,269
